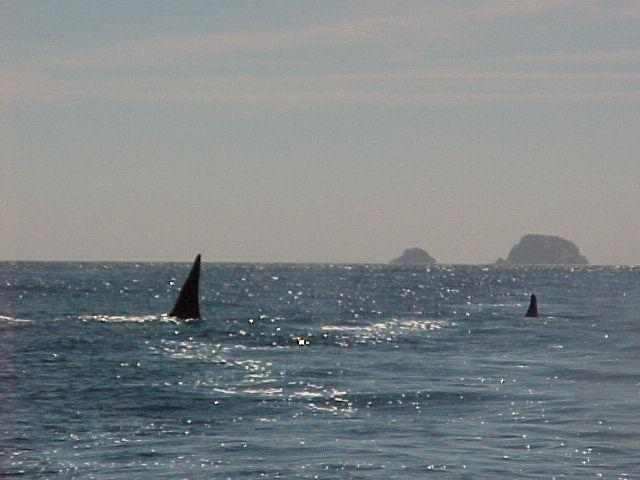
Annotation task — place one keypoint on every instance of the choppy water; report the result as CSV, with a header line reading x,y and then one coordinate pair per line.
x,y
409,372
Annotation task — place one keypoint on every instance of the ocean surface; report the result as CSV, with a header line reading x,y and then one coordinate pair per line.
x,y
319,371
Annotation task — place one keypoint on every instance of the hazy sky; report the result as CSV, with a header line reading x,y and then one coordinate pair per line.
x,y
324,131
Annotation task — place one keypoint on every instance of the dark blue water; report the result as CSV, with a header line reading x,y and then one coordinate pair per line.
x,y
409,372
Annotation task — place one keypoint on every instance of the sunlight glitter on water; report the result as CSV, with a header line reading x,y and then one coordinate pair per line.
x,y
421,384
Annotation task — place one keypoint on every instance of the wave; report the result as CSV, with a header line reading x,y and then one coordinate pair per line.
x,y
410,324
127,318
13,320
249,391
385,331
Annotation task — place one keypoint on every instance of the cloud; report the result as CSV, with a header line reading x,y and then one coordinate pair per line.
x,y
384,88
471,75
618,11
32,86
600,56
161,69
190,49
426,21
592,10
510,8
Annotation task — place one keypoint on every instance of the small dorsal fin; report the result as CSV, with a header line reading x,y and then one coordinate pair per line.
x,y
187,303
533,307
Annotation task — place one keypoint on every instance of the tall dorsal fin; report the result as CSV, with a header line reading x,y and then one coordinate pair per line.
x,y
533,307
187,303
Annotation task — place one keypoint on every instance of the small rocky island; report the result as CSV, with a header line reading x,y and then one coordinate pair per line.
x,y
536,249
414,256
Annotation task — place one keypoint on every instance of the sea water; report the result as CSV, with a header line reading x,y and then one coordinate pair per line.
x,y
319,371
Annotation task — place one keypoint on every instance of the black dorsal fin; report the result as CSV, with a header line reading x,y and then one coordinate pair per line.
x,y
187,303
533,307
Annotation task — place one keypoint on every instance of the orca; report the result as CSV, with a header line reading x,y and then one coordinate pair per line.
x,y
187,303
533,307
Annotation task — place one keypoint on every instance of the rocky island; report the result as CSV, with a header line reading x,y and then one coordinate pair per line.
x,y
535,249
414,256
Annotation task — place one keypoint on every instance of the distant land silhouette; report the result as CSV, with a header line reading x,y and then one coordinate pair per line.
x,y
535,249
414,256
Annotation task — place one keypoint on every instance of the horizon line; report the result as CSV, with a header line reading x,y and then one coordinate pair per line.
x,y
279,262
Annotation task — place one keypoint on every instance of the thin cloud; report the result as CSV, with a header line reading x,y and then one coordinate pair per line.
x,y
592,10
28,86
510,8
188,49
175,50
601,56
470,75
385,88
618,11
170,58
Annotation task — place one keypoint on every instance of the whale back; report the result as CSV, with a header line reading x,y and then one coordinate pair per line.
x,y
187,305
533,307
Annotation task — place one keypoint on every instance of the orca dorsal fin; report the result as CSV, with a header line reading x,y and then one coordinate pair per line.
x,y
533,307
187,303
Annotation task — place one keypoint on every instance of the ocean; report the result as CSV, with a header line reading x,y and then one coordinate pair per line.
x,y
319,371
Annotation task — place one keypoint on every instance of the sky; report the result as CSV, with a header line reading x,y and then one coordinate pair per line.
x,y
318,131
